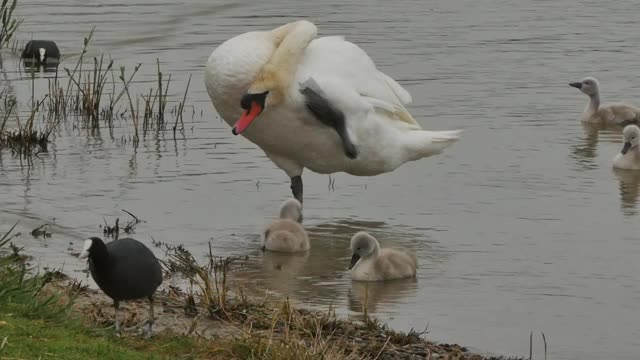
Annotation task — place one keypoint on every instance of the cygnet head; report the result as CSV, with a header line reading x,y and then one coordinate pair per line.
x,y
631,135
291,209
588,86
362,245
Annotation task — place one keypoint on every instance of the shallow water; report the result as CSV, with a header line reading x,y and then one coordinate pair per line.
x,y
521,226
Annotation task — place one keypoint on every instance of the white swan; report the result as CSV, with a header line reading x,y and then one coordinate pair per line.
x,y
609,114
629,156
318,103
371,263
286,234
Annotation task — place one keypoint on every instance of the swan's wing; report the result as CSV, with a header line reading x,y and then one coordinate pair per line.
x,y
333,57
398,90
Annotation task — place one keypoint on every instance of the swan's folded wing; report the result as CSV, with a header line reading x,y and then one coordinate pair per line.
x,y
402,94
392,111
333,57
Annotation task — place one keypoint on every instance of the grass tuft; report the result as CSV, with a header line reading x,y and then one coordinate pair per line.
x,y
9,23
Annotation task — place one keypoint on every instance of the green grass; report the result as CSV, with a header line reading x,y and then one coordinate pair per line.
x,y
43,322
38,324
69,339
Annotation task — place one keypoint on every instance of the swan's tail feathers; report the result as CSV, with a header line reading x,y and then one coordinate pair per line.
x,y
434,142
446,136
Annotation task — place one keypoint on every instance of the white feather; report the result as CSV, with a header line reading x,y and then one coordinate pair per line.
x,y
382,129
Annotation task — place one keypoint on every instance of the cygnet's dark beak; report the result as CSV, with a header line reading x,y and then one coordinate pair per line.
x,y
354,260
625,147
577,85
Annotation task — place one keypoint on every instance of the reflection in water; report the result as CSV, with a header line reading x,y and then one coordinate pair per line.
x,y
321,276
372,294
629,189
31,67
584,151
7,90
310,276
281,271
348,227
490,243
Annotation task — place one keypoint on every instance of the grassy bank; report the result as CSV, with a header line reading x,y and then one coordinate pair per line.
x,y
41,322
25,337
50,316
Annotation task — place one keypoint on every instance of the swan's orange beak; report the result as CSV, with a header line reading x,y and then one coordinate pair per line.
x,y
245,120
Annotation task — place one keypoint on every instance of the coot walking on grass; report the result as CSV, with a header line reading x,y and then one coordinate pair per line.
x,y
41,52
124,269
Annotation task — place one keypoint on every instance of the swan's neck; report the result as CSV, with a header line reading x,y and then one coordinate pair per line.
x,y
594,103
290,41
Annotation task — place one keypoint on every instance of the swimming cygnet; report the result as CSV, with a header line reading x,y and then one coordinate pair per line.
x,y
286,234
371,263
612,113
629,156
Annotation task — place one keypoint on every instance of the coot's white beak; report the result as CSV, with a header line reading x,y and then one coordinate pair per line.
x,y
42,51
85,249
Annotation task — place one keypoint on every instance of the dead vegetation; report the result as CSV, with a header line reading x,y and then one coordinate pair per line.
x,y
227,324
41,231
114,231
9,24
268,329
93,98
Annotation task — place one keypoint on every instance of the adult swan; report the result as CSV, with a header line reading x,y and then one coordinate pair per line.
x,y
313,103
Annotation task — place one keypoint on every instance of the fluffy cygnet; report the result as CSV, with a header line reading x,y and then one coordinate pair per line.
x,y
371,263
608,114
286,234
629,156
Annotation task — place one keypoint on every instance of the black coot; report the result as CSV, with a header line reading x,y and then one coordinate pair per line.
x,y
41,52
124,269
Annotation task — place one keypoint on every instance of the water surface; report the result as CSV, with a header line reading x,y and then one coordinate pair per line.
x,y
521,226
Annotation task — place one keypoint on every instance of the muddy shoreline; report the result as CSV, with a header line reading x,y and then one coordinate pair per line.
x,y
256,319
207,300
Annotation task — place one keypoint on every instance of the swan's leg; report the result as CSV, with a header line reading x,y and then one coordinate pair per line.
x,y
291,41
293,170
329,115
296,188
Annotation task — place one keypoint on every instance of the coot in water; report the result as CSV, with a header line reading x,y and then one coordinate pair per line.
x,y
124,269
41,52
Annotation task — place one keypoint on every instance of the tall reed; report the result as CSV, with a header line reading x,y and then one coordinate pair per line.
x,y
9,23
